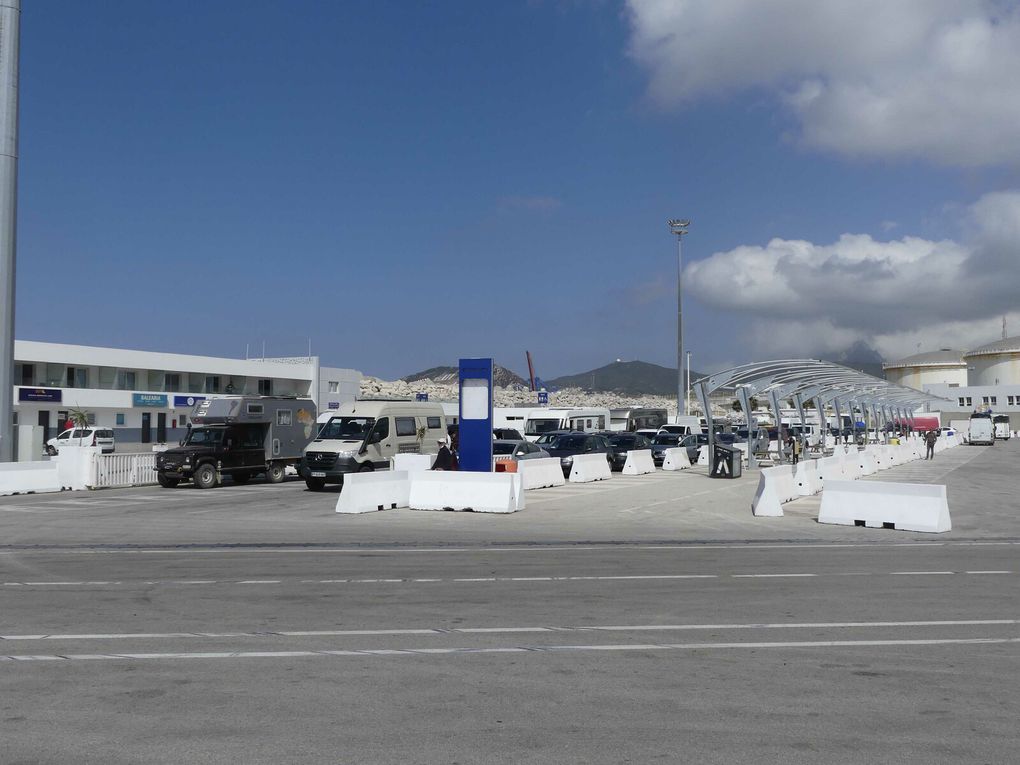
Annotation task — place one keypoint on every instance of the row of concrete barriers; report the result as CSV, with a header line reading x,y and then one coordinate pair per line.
x,y
909,507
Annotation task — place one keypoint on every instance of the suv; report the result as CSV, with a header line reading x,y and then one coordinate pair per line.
x,y
90,436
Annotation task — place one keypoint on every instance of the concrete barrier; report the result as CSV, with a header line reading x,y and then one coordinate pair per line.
x,y
74,465
589,467
411,463
676,459
639,462
830,469
703,455
807,477
377,490
775,486
36,477
879,504
540,473
866,463
475,492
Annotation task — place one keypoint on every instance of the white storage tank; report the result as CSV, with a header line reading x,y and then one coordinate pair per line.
x,y
996,363
942,367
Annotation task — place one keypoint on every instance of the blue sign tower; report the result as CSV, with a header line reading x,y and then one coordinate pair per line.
x,y
476,415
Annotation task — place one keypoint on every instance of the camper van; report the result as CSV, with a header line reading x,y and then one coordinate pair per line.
x,y
981,429
239,436
636,418
364,435
1000,423
685,425
540,421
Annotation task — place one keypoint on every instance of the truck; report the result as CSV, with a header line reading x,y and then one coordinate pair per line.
x,y
240,437
1000,422
981,429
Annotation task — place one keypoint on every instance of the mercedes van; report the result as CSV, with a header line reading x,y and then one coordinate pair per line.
x,y
364,435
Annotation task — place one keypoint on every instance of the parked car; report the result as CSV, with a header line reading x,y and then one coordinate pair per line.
x,y
517,449
664,441
568,445
83,437
506,434
622,444
545,440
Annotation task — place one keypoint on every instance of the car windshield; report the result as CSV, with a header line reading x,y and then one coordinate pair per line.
x,y
205,437
569,442
537,427
346,429
503,447
624,442
666,440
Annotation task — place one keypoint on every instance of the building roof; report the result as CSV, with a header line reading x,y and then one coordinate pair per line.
x,y
941,358
1006,345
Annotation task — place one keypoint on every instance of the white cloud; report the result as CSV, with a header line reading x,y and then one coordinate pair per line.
x,y
915,78
890,294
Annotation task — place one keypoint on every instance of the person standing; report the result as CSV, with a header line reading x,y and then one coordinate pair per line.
x,y
929,439
795,447
445,459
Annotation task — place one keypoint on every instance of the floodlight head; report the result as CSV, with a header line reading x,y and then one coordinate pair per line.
x,y
678,225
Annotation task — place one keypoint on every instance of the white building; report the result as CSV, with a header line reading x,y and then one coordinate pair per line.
x,y
146,396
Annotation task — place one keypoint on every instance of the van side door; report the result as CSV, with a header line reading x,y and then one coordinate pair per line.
x,y
379,443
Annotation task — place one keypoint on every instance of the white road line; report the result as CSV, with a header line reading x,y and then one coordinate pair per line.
x,y
513,630
988,572
921,573
507,649
768,576
260,581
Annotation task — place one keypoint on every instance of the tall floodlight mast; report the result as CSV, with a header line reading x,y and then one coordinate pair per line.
x,y
679,227
10,16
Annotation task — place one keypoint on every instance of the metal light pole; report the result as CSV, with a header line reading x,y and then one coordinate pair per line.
x,y
687,398
10,16
679,227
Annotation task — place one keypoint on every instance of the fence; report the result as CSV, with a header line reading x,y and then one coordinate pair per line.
x,y
114,470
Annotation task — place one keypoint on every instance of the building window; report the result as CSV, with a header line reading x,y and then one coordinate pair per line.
x,y
212,384
171,381
265,387
334,386
27,375
120,418
77,377
984,399
962,400
1010,399
993,400
90,417
125,380
970,401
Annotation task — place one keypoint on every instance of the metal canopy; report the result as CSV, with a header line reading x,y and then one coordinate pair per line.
x,y
803,380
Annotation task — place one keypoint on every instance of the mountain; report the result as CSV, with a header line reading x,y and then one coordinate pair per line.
x,y
634,378
501,376
862,357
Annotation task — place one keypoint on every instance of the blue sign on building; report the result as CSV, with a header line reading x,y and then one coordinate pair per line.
x,y
52,395
421,396
475,428
148,399
180,401
334,404
543,397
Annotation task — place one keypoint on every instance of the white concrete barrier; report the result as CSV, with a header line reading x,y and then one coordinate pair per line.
x,y
775,486
879,504
35,477
852,466
376,490
639,462
676,459
460,490
411,463
866,462
74,465
807,478
703,455
540,473
589,467
830,469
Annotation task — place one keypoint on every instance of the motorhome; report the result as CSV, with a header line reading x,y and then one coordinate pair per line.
x,y
365,435
1000,422
539,421
633,419
514,417
241,437
982,430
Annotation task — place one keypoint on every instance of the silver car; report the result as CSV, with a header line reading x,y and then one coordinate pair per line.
x,y
517,450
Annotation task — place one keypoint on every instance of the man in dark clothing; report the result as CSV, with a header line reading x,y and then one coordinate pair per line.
x,y
444,458
929,439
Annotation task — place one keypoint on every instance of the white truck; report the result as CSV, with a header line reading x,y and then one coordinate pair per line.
x,y
982,430
1000,423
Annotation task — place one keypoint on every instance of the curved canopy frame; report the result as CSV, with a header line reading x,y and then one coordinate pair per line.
x,y
801,380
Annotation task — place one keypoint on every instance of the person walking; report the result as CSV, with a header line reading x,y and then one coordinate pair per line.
x,y
445,459
929,439
795,447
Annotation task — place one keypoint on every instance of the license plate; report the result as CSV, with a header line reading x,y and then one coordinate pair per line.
x,y
318,475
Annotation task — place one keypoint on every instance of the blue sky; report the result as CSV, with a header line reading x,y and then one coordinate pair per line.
x,y
406,183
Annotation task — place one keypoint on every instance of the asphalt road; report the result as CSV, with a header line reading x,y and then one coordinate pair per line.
x,y
605,628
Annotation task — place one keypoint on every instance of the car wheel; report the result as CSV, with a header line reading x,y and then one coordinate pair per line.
x,y
166,481
51,450
315,484
366,468
205,476
241,478
276,473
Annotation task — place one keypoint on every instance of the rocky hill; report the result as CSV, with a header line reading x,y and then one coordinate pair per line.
x,y
631,378
501,377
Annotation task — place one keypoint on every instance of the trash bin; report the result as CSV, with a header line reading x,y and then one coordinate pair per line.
x,y
725,462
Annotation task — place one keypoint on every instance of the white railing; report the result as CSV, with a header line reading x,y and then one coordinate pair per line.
x,y
113,470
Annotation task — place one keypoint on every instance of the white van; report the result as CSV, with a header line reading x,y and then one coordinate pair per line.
x,y
981,429
364,435
87,436
684,425
541,421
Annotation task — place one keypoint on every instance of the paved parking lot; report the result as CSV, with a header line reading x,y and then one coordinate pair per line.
x,y
639,619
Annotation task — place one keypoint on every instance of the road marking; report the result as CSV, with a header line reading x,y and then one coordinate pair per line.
x,y
513,630
988,572
921,573
260,581
767,576
507,649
